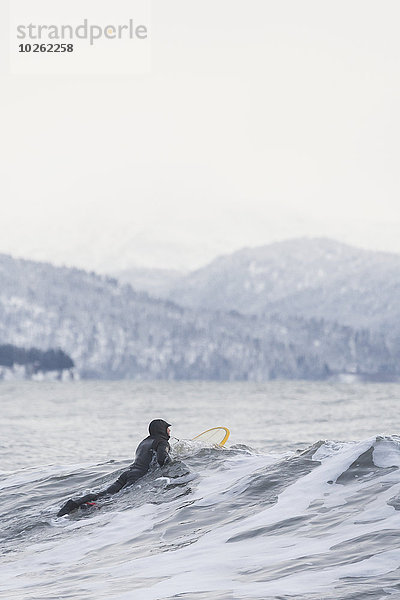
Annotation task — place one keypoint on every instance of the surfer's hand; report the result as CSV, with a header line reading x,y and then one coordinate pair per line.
x,y
67,508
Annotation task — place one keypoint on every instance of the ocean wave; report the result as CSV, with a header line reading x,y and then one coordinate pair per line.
x,y
216,524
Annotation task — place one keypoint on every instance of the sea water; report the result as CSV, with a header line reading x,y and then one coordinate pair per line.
x,y
303,502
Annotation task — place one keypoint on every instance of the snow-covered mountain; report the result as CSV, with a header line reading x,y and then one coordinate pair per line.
x,y
311,278
111,331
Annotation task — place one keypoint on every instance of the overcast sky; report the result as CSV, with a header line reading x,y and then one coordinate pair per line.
x,y
260,120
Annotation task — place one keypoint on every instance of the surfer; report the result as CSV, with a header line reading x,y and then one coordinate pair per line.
x,y
154,447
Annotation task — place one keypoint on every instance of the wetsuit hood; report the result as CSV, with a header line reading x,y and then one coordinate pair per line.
x,y
158,428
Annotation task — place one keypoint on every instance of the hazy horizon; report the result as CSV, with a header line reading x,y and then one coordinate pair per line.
x,y
188,270
284,124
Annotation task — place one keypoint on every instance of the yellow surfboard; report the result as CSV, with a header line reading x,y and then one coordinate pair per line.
x,y
215,436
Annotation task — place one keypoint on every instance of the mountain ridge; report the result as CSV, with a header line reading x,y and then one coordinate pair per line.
x,y
111,331
307,277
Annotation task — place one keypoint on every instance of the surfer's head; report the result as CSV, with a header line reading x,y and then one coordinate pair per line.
x,y
159,428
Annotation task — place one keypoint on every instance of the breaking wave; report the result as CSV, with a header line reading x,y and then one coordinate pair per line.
x,y
216,524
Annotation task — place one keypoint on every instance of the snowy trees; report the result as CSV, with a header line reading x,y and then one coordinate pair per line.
x,y
38,360
111,331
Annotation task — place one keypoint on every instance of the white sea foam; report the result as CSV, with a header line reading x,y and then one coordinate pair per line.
x,y
228,523
236,555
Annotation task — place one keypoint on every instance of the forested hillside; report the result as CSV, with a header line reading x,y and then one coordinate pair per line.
x,y
111,331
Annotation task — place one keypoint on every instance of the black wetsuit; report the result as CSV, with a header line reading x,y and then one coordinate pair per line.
x,y
153,448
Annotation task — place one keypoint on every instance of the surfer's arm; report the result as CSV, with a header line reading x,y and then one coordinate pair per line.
x,y
162,453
